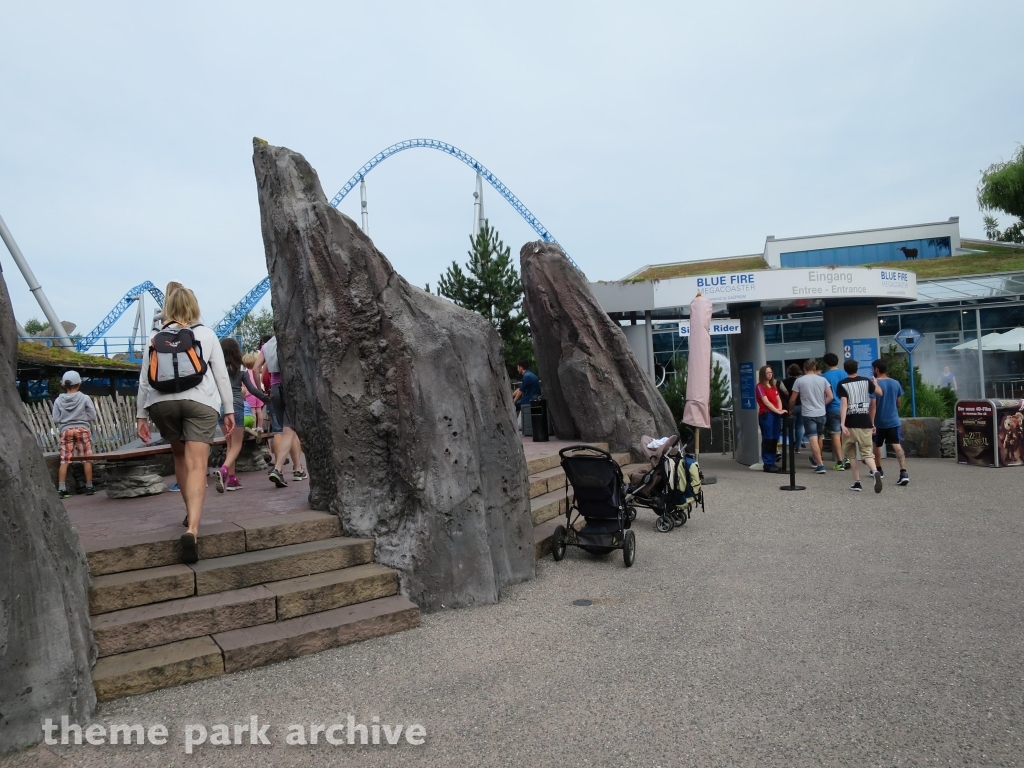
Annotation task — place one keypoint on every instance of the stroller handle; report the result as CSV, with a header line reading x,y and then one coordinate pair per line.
x,y
577,448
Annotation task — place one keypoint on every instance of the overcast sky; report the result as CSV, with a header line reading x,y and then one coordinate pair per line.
x,y
636,132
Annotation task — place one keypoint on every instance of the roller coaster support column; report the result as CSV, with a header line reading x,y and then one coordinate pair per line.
x,y
478,206
56,327
362,207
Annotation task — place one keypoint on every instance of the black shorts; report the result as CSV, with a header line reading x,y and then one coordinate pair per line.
x,y
280,412
887,435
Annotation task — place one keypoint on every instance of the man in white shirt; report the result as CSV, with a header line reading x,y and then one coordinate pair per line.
x,y
815,394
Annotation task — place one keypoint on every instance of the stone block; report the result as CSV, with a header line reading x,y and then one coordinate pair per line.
x,y
267,643
295,528
334,589
151,625
130,479
165,666
265,565
921,437
547,506
160,547
151,585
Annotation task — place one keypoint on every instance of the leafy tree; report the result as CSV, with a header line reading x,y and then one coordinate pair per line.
x,y
253,327
34,326
1002,189
490,285
721,396
938,402
674,389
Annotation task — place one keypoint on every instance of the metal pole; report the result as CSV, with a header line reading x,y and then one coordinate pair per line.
x,y
913,399
981,359
478,206
362,207
56,327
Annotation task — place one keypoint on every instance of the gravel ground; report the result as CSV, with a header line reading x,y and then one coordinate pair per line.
x,y
814,628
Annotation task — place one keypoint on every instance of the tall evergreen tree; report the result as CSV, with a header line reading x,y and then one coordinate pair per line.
x,y
490,285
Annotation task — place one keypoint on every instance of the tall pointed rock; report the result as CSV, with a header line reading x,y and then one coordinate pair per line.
x,y
400,397
595,388
46,645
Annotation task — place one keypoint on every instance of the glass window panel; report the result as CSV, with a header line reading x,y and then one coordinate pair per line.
x,y
807,331
773,334
932,322
888,325
1001,318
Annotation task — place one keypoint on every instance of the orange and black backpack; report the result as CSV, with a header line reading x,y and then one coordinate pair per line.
x,y
175,360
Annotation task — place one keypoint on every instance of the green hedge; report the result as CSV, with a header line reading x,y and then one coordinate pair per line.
x,y
938,402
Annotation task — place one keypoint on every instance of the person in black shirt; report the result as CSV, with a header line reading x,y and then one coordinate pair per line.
x,y
796,413
857,414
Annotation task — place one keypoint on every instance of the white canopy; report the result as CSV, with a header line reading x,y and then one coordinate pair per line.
x,y
987,342
1011,341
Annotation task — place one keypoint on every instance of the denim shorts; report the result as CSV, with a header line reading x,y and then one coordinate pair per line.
x,y
814,426
833,424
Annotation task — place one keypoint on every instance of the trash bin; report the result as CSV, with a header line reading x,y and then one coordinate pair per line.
x,y
539,419
527,425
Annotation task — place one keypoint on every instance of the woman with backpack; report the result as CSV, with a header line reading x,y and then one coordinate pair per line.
x,y
183,385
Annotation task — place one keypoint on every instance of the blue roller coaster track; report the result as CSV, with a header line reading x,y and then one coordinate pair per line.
x,y
235,315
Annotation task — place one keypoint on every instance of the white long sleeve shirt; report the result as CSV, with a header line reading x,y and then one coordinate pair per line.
x,y
214,390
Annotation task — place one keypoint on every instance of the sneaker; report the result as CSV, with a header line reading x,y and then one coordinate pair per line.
x,y
904,478
813,462
881,472
189,548
878,481
233,484
846,464
90,490
857,487
839,467
175,488
222,479
820,469
276,479
65,494
299,474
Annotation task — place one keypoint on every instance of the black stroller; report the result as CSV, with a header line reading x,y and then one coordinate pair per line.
x,y
671,487
599,496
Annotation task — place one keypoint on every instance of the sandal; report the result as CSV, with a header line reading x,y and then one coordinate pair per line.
x,y
189,548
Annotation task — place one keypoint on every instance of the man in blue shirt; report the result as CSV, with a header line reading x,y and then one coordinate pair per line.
x,y
887,419
529,388
833,424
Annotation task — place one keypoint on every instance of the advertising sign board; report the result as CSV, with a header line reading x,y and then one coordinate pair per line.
x,y
747,384
975,433
864,351
722,326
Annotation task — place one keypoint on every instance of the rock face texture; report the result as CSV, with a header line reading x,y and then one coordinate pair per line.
x,y
595,388
400,397
46,645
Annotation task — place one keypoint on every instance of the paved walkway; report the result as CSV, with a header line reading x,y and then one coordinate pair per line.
x,y
778,629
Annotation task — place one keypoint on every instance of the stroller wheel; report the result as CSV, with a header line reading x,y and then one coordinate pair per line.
x,y
679,517
664,523
558,543
631,513
629,549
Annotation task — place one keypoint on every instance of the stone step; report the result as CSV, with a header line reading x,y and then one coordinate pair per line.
x,y
280,563
548,506
163,546
148,626
268,643
117,591
554,479
333,589
185,661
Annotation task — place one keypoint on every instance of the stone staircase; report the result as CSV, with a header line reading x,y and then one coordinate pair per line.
x,y
265,590
548,495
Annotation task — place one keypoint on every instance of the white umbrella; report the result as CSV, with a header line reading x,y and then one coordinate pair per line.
x,y
1011,341
986,341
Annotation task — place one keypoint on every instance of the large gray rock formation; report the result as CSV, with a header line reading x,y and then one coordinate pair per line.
x,y
595,388
46,645
400,397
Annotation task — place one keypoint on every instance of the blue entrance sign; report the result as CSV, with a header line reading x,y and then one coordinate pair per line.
x,y
864,351
908,338
747,387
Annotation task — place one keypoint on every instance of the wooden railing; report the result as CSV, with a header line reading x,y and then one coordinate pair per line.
x,y
114,426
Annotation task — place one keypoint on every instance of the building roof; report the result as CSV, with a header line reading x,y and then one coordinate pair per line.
x,y
687,268
1007,285
951,220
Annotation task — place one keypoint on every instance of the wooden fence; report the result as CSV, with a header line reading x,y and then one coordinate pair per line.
x,y
115,424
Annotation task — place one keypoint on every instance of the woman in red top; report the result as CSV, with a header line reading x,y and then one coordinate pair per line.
x,y
769,416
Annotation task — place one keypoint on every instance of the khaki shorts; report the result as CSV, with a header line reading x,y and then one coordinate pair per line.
x,y
860,438
184,420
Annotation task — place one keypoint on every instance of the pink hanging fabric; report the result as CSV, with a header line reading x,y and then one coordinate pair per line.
x,y
696,412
